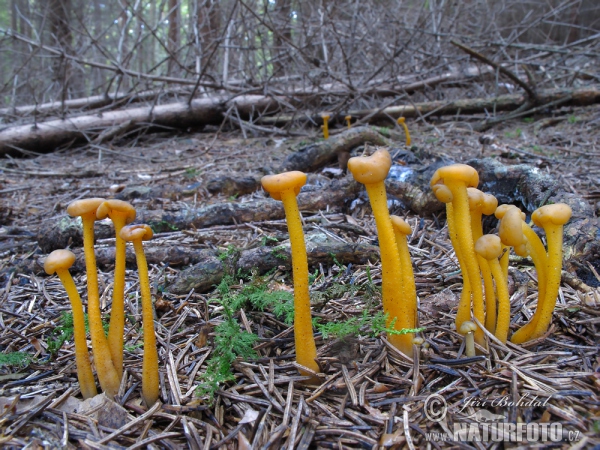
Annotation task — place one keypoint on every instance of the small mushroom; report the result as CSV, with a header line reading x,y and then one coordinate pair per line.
x,y
372,171
489,248
457,178
107,375
121,213
59,262
348,120
150,385
285,187
325,116
479,204
552,219
402,122
467,329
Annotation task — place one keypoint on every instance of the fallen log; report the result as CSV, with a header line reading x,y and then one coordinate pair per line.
x,y
572,97
44,136
335,195
320,250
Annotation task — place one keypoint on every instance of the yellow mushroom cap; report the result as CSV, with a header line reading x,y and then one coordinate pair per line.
x,y
556,214
348,117
275,184
84,206
511,228
325,115
502,209
418,341
59,260
489,246
467,327
400,225
135,232
476,199
490,203
442,193
116,205
371,169
461,172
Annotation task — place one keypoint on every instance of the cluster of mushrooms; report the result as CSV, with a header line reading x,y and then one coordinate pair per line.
x,y
108,352
483,260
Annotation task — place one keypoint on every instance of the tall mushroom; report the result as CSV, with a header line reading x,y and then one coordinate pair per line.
x,y
401,231
552,219
121,213
285,187
107,375
402,122
479,204
372,171
457,178
489,248
325,116
60,261
150,386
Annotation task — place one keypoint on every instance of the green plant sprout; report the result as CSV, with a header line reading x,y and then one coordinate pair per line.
x,y
16,359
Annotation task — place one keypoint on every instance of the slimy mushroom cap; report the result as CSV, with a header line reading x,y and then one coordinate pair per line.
x,y
442,193
84,206
400,225
116,205
135,232
557,214
57,260
461,172
275,184
489,246
467,327
371,169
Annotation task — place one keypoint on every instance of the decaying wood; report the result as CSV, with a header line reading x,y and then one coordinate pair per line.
x,y
317,155
578,96
319,248
44,136
335,195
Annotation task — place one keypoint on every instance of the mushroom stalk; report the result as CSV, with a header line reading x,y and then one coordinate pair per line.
x,y
150,382
285,187
467,328
325,118
59,261
121,213
402,122
401,310
401,231
107,375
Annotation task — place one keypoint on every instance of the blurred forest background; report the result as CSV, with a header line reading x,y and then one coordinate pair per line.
x,y
60,57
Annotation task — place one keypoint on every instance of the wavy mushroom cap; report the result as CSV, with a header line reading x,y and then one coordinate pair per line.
x,y
136,232
476,199
275,184
489,246
490,204
511,228
400,225
116,205
556,214
442,193
502,209
59,260
467,327
84,206
459,172
371,169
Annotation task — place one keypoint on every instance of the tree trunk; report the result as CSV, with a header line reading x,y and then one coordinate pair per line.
x,y
173,39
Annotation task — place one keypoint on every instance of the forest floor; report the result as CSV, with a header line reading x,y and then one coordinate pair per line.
x,y
370,395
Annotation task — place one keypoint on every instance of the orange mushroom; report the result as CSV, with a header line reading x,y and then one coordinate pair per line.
x,y
121,213
489,248
285,187
457,178
401,231
60,261
372,171
150,383
107,375
348,119
479,204
325,116
402,122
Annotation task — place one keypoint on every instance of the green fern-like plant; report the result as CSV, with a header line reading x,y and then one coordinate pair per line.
x,y
15,359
